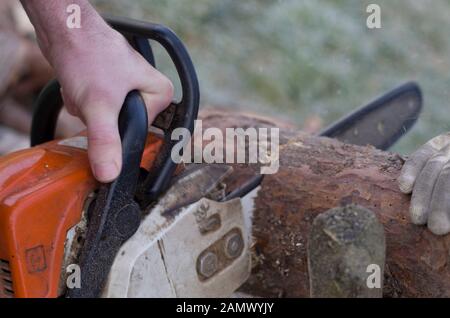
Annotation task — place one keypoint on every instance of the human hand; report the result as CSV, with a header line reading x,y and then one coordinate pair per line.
x,y
96,73
427,175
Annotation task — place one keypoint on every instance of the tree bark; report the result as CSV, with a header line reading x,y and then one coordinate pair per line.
x,y
315,175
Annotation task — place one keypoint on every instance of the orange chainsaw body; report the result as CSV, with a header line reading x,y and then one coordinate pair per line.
x,y
42,194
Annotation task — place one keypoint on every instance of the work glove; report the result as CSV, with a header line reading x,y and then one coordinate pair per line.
x,y
426,173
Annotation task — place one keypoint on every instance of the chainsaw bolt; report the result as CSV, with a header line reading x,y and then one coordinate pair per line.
x,y
234,244
208,264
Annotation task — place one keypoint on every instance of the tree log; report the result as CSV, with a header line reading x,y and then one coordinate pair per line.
x,y
315,175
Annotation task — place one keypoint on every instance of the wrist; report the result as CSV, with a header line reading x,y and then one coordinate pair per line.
x,y
77,42
54,30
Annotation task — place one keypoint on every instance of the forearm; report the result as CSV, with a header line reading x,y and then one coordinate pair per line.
x,y
49,18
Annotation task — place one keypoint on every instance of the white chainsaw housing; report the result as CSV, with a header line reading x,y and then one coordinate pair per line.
x,y
161,259
200,249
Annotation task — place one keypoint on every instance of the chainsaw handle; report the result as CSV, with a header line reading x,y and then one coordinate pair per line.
x,y
45,114
133,130
185,111
177,52
116,215
49,102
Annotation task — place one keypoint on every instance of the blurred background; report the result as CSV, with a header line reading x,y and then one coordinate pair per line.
x,y
307,62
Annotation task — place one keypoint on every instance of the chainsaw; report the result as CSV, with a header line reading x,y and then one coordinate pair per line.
x,y
158,230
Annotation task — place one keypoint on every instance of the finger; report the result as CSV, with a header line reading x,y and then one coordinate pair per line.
x,y
439,220
423,188
414,165
154,106
104,145
157,91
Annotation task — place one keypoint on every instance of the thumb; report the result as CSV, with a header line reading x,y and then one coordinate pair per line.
x,y
104,145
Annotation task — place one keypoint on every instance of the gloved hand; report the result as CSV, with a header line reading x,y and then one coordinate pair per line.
x,y
427,175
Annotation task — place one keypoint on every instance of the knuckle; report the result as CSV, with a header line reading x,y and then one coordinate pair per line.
x,y
440,141
438,159
167,91
421,155
99,96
